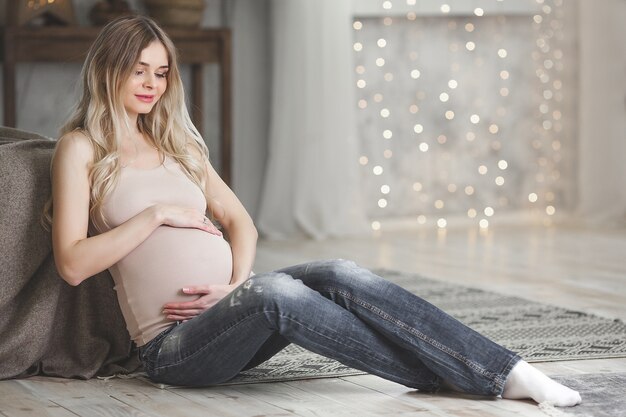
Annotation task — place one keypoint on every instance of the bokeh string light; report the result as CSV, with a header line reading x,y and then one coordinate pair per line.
x,y
413,159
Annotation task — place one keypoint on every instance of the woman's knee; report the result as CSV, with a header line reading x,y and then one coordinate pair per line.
x,y
342,270
341,267
273,288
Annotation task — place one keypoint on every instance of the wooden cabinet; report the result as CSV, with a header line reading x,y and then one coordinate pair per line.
x,y
70,44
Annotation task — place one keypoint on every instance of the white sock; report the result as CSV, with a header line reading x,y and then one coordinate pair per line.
x,y
525,381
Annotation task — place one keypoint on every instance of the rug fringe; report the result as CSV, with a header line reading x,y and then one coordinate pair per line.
x,y
552,411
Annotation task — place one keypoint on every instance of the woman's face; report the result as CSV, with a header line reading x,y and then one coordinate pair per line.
x,y
147,81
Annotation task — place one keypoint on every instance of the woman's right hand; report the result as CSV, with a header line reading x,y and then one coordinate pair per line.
x,y
176,216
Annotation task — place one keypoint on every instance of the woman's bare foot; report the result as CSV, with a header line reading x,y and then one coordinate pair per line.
x,y
525,381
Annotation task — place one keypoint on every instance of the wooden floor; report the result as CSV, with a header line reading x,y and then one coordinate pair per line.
x,y
572,267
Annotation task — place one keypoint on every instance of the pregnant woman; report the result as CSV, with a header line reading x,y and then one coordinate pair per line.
x,y
131,188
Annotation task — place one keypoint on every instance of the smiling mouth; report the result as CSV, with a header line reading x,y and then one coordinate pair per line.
x,y
145,99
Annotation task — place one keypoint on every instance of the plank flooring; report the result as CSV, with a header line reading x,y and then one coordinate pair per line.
x,y
574,267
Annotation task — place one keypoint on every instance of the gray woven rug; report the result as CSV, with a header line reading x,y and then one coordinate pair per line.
x,y
538,332
604,395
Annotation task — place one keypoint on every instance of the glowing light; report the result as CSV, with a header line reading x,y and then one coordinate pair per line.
x,y
363,160
486,133
382,203
550,210
361,84
358,46
442,223
375,225
381,43
483,223
532,197
387,5
377,170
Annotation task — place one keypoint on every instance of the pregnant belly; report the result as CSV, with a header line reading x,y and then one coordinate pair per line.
x,y
157,270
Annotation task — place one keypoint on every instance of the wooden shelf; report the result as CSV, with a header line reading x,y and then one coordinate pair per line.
x,y
70,44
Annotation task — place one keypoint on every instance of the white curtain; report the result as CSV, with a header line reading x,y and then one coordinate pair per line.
x,y
311,180
602,174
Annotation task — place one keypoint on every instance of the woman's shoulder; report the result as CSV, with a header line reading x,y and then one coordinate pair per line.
x,y
76,145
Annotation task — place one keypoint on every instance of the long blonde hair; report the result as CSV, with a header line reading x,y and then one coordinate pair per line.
x,y
101,116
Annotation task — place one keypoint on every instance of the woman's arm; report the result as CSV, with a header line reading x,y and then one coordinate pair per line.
x,y
242,233
78,257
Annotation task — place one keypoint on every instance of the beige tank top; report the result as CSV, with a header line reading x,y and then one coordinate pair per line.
x,y
171,258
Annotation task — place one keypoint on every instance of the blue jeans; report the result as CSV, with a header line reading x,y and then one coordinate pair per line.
x,y
336,309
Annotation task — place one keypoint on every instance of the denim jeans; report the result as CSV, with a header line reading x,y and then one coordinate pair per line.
x,y
336,309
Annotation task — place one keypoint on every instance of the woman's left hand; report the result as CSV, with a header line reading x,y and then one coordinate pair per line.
x,y
209,295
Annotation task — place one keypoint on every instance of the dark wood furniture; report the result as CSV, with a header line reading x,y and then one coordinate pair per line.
x,y
70,44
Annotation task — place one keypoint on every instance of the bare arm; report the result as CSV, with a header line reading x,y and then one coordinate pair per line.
x,y
237,222
78,257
